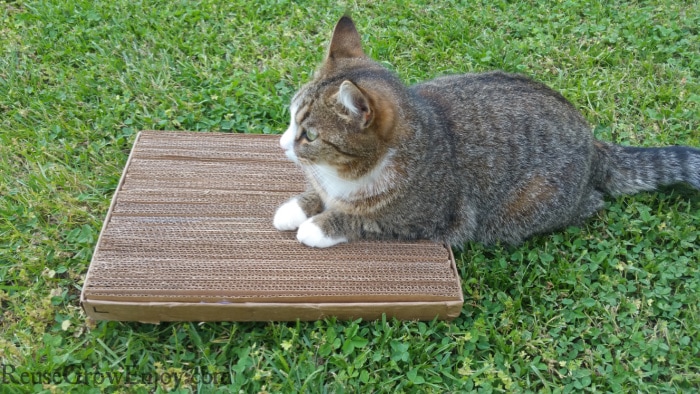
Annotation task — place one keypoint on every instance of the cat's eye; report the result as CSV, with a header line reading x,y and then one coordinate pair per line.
x,y
310,135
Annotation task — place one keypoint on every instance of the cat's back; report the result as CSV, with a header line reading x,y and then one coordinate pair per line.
x,y
501,105
493,84
496,90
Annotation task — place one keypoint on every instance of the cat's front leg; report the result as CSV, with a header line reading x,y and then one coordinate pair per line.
x,y
323,230
295,211
332,227
311,233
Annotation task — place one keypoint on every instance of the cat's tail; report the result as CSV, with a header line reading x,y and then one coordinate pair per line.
x,y
628,170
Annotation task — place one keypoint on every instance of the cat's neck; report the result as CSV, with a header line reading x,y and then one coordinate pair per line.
x,y
381,179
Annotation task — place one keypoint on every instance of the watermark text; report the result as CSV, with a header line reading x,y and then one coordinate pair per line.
x,y
120,376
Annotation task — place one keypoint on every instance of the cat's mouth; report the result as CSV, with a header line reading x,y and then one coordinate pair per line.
x,y
292,156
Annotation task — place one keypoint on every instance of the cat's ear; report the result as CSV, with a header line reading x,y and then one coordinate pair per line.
x,y
355,102
346,41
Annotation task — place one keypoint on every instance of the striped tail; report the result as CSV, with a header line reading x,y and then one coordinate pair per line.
x,y
628,170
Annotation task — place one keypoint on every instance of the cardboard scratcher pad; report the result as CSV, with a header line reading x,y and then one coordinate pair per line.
x,y
189,237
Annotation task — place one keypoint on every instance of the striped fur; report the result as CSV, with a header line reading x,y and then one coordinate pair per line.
x,y
490,157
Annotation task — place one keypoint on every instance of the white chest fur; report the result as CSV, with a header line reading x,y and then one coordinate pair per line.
x,y
378,181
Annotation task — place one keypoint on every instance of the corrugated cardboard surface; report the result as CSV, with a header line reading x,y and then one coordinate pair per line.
x,y
189,237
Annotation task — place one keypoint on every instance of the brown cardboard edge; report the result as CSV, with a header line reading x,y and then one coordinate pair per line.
x,y
108,217
156,312
458,279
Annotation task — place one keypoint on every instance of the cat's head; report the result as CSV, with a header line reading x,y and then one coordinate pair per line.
x,y
343,122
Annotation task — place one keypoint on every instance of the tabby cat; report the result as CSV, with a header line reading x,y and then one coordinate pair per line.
x,y
490,157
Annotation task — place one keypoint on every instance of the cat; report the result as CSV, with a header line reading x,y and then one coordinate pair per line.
x,y
488,157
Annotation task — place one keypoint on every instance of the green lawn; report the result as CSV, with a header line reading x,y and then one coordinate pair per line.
x,y
611,306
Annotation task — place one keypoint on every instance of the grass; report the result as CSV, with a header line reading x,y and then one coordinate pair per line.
x,y
608,307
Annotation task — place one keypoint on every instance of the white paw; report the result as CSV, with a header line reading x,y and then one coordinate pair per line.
x,y
311,235
289,216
